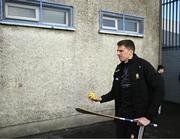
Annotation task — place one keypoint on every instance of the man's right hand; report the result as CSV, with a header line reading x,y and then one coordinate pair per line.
x,y
92,96
96,99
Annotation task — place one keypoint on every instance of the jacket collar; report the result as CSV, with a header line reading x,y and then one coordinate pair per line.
x,y
135,57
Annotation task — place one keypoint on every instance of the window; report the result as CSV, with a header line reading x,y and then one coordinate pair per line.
x,y
109,23
122,24
18,11
36,13
131,26
55,16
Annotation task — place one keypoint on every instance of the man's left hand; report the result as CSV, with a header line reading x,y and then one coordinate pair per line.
x,y
142,121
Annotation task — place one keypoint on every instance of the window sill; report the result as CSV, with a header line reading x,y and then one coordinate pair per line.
x,y
121,33
37,25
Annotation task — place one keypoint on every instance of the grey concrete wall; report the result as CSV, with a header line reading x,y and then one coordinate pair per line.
x,y
171,61
46,73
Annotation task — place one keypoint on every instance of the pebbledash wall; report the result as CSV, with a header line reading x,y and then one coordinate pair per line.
x,y
46,73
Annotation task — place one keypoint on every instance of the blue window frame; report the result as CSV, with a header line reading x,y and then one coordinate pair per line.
x,y
121,24
37,13
0,10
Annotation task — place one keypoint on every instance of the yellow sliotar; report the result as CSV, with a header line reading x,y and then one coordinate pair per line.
x,y
91,95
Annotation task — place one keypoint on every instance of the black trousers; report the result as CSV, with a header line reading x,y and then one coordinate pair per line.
x,y
125,129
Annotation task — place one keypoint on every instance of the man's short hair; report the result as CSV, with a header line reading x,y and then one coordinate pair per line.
x,y
160,67
127,43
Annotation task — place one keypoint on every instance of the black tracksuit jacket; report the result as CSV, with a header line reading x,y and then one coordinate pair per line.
x,y
147,88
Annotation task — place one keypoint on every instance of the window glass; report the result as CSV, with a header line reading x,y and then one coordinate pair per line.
x,y
54,16
131,25
109,23
21,12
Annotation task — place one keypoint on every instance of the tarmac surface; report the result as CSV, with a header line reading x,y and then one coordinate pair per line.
x,y
168,127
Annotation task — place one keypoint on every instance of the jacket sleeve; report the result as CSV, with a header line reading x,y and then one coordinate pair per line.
x,y
110,95
156,84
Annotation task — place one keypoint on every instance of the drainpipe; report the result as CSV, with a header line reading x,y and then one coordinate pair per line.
x,y
160,33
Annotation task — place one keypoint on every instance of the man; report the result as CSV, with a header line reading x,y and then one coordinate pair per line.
x,y
137,89
160,69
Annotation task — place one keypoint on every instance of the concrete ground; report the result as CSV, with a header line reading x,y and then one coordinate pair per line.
x,y
169,127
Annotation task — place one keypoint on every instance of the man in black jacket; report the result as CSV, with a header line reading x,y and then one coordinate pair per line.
x,y
137,89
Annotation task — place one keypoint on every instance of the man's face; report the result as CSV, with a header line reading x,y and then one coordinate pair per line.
x,y
161,71
124,53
